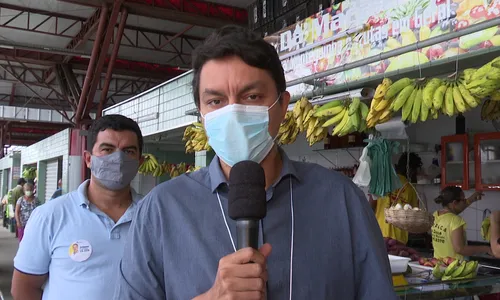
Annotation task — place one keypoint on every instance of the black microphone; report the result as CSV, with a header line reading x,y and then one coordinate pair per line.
x,y
247,201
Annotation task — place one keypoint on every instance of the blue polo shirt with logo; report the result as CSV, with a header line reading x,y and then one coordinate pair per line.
x,y
48,246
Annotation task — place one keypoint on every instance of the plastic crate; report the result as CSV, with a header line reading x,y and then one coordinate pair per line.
x,y
266,11
254,15
292,17
281,7
315,6
268,29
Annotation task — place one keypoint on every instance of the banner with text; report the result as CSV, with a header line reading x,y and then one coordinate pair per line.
x,y
319,42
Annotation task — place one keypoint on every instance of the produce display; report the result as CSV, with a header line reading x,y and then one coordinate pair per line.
x,y
394,247
195,138
345,115
432,262
151,166
484,81
29,173
490,110
455,270
405,207
288,130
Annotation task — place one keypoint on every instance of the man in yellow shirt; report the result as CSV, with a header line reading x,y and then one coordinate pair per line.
x,y
405,195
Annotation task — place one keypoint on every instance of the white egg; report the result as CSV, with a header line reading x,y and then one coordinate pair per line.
x,y
398,206
416,208
407,207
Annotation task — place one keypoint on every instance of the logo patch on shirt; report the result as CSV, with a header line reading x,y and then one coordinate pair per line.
x,y
80,250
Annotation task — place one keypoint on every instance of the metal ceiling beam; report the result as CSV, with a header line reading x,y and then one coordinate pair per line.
x,y
212,18
124,67
20,101
120,86
111,63
11,71
99,55
86,30
134,36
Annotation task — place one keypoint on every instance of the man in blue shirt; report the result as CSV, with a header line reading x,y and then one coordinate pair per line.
x,y
58,191
72,244
319,239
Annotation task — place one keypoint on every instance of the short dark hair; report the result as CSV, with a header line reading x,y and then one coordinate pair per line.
x,y
448,195
21,181
114,122
415,163
232,40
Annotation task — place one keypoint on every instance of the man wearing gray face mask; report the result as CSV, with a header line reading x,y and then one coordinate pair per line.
x,y
72,245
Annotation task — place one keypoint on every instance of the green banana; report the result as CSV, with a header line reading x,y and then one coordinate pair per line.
x,y
353,107
407,107
329,105
397,87
415,112
328,112
364,110
342,124
336,119
403,97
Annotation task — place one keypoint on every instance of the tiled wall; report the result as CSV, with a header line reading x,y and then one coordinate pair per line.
x,y
50,148
170,100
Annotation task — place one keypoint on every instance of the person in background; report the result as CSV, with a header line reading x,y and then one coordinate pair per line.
x,y
495,233
319,238
448,232
58,191
405,195
5,202
24,207
94,220
14,195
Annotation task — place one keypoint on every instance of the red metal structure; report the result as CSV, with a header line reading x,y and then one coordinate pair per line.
x,y
77,62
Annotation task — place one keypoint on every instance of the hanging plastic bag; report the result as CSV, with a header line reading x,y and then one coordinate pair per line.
x,y
363,175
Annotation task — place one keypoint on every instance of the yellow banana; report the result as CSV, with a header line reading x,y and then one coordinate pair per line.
x,y
382,88
383,104
471,101
438,97
449,107
459,101
429,90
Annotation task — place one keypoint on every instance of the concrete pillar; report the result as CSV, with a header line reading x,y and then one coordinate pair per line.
x,y
203,158
41,167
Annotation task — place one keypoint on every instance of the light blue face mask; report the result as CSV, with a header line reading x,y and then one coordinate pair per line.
x,y
239,132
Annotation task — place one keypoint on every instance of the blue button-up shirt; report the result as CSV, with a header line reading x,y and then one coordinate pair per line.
x,y
49,234
178,237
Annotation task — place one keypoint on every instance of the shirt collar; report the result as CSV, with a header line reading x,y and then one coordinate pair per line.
x,y
83,199
217,177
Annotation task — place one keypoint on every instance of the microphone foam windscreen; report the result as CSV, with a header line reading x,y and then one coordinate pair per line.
x,y
247,191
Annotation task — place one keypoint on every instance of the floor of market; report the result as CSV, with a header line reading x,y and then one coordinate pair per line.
x,y
8,248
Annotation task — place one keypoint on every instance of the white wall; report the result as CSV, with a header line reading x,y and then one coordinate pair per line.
x,y
52,147
430,133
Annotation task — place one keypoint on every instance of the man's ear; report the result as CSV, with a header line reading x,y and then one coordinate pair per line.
x,y
87,157
284,102
141,160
